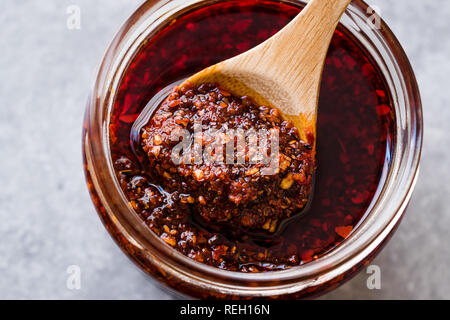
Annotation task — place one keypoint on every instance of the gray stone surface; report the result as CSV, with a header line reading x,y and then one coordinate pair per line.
x,y
47,221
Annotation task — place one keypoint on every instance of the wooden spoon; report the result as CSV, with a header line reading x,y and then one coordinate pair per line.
x,y
285,71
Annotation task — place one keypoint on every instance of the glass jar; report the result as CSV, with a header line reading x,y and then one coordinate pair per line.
x,y
198,280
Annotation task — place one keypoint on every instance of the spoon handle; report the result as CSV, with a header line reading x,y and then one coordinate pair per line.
x,y
285,71
294,57
305,42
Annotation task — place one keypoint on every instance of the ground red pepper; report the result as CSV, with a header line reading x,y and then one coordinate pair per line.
x,y
224,178
355,134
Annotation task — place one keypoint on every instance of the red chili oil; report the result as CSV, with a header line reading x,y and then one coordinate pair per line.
x,y
355,124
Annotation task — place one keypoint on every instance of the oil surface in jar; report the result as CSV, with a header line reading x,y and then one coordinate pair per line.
x,y
355,133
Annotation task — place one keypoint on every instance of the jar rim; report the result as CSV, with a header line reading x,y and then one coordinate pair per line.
x,y
366,238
